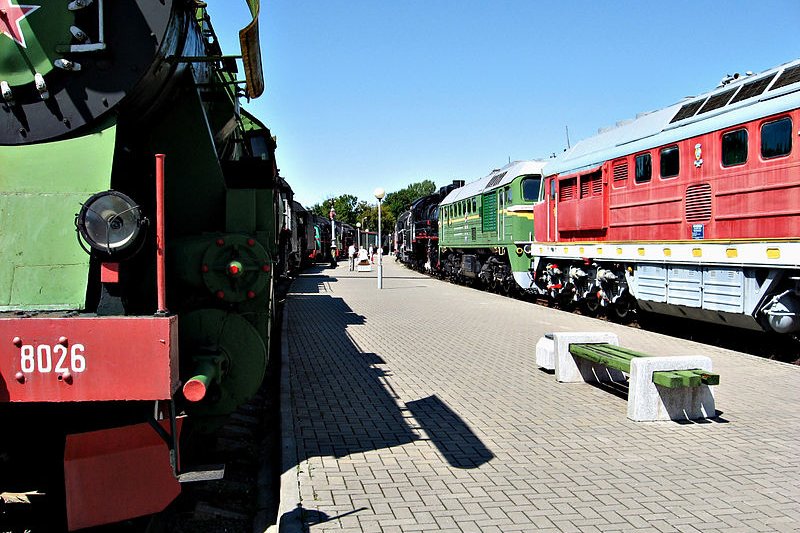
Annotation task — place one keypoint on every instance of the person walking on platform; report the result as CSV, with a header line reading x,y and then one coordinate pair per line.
x,y
371,252
351,255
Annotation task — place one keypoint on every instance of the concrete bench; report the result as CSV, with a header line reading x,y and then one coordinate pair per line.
x,y
659,388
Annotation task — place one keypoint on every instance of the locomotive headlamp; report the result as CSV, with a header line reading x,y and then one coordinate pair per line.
x,y
110,222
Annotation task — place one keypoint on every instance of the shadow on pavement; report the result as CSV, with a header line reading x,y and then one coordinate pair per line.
x,y
449,433
343,403
310,517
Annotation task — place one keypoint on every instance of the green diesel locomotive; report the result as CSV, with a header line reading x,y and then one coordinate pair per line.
x,y
481,222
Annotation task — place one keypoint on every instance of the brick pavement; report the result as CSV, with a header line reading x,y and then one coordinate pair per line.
x,y
420,408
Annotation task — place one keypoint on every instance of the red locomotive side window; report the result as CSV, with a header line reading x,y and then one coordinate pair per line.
x,y
644,168
670,162
734,148
776,138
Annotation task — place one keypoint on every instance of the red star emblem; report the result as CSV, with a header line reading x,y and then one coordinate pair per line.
x,y
10,17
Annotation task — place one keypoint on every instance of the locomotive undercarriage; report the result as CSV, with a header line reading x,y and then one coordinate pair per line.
x,y
488,268
749,298
421,256
587,284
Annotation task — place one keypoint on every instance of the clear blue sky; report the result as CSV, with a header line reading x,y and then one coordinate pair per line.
x,y
364,94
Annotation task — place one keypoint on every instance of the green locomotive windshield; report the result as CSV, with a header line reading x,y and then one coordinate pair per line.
x,y
530,188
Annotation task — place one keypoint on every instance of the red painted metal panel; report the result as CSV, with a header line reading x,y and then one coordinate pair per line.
x,y
88,359
117,474
109,272
758,199
540,214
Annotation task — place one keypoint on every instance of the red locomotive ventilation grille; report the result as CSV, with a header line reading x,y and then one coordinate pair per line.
x,y
592,185
698,203
597,184
567,190
620,172
584,188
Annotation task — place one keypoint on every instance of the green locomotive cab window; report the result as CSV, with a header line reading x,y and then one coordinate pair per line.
x,y
644,168
509,195
474,205
734,148
776,138
530,188
670,162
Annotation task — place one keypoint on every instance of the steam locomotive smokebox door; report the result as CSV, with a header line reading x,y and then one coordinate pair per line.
x,y
66,68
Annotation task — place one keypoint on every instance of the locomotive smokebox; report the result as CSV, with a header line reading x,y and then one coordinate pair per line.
x,y
65,65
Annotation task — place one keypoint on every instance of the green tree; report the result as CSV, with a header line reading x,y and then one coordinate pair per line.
x,y
345,206
399,201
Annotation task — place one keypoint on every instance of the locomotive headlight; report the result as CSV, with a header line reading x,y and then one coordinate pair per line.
x,y
110,222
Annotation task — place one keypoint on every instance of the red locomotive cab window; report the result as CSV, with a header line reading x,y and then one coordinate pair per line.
x,y
734,148
552,188
776,138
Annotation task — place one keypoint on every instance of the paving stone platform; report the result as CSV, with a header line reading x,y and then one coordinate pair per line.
x,y
419,407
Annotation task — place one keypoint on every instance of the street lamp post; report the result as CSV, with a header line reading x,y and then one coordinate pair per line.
x,y
379,194
358,233
332,214
364,225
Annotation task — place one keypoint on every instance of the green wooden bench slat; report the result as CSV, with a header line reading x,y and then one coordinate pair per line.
x,y
623,352
595,353
685,378
676,378
706,377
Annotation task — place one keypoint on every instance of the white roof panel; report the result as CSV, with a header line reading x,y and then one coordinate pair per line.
x,y
510,171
